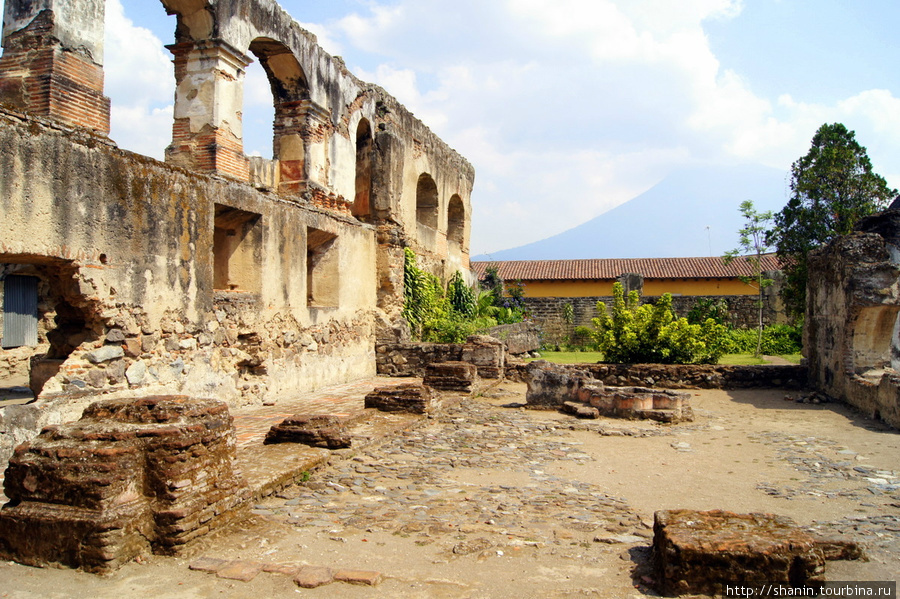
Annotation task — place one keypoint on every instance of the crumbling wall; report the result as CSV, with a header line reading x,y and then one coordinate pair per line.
x,y
487,354
679,376
853,300
184,278
127,245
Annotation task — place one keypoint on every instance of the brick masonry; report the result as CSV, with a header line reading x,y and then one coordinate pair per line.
x,y
131,477
39,75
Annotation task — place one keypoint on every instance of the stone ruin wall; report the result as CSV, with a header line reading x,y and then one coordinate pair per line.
x,y
853,302
135,277
547,312
228,277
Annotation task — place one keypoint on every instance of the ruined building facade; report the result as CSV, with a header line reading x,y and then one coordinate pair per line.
x,y
852,331
212,274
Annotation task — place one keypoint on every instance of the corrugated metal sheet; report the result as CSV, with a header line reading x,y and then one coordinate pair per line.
x,y
20,315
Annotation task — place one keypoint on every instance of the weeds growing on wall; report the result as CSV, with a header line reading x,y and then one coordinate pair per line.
x,y
438,315
650,333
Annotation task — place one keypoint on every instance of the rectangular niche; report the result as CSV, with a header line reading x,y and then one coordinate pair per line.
x,y
322,273
237,250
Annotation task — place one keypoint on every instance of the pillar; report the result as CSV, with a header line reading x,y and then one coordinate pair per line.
x,y
52,64
207,134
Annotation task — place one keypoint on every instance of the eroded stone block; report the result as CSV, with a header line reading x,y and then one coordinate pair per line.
x,y
412,398
451,376
132,476
316,431
700,552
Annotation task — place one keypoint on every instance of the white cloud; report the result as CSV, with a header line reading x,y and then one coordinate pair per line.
x,y
324,37
566,108
140,83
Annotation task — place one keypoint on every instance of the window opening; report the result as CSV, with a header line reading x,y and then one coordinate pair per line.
x,y
427,201
322,275
237,250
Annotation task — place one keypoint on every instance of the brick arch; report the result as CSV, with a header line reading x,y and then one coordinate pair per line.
x,y
290,96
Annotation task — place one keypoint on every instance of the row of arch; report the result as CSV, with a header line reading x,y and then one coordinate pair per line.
x,y
428,209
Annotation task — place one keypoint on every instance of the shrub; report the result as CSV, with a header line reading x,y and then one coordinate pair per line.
x,y
704,308
635,333
438,316
777,339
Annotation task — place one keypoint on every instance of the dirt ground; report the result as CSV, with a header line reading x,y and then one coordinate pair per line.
x,y
491,500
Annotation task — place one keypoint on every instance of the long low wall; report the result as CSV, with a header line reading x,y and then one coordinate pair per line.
x,y
547,312
685,376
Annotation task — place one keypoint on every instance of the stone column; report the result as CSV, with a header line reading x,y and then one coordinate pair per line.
x,y
207,134
52,64
302,129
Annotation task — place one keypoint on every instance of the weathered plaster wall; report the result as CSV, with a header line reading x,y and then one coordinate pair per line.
x,y
128,243
320,106
853,300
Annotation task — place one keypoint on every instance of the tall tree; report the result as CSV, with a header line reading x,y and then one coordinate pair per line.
x,y
832,187
751,248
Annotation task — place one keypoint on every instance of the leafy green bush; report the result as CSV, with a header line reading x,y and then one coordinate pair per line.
x,y
635,333
438,316
704,308
777,339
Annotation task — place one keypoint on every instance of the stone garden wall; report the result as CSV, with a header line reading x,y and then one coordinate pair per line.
x,y
547,312
487,354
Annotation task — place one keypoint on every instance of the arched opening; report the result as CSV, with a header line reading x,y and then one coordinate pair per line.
x,y
258,113
427,201
290,98
138,74
873,332
362,200
456,222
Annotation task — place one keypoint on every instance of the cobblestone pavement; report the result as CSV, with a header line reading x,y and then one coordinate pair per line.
x,y
830,470
487,500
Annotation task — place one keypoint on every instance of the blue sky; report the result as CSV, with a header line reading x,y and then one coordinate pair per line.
x,y
567,108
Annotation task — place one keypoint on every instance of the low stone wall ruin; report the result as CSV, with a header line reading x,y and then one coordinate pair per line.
x,y
131,477
574,390
681,376
487,354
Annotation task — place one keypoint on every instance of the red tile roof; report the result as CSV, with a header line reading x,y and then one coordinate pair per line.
x,y
611,268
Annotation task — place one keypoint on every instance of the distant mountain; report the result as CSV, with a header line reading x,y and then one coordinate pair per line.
x,y
692,213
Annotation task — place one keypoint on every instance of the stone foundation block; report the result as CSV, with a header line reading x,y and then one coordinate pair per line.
x,y
580,410
132,476
317,431
700,552
451,376
414,399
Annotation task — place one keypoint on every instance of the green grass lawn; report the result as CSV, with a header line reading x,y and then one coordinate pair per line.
x,y
588,357
571,357
740,359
